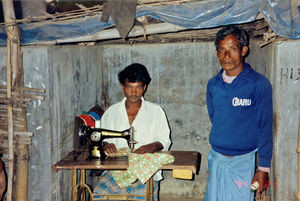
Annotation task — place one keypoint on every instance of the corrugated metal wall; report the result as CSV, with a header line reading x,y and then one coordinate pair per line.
x,y
77,77
286,88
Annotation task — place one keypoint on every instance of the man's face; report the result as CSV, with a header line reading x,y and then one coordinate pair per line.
x,y
133,91
230,55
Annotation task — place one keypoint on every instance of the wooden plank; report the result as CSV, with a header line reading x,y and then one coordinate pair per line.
x,y
16,126
16,146
17,109
17,142
21,97
26,89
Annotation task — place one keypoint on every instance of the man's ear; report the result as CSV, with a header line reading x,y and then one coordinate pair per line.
x,y
122,86
244,50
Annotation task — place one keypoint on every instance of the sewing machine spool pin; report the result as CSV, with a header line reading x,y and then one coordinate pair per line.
x,y
132,142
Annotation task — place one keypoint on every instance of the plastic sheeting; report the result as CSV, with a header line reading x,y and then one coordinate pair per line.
x,y
282,16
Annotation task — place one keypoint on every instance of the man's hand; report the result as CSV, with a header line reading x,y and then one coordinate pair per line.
x,y
109,149
149,148
262,178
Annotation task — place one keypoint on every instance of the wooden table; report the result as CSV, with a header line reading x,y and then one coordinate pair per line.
x,y
185,164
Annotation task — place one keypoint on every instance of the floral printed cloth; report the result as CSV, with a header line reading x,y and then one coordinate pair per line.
x,y
141,166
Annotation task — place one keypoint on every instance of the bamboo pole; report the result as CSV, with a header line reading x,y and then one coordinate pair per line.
x,y
14,108
135,31
298,157
23,150
14,81
26,89
27,134
10,129
14,38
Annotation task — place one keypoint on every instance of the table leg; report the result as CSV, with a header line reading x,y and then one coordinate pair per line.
x,y
74,185
82,181
149,190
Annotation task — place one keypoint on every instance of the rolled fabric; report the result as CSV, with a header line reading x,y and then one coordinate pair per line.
x,y
95,116
88,120
97,119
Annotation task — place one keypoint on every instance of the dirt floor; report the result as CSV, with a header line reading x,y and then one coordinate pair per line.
x,y
164,198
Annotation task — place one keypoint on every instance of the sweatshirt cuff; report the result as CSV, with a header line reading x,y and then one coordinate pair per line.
x,y
264,169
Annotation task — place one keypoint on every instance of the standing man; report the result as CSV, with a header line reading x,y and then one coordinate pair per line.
x,y
151,129
239,104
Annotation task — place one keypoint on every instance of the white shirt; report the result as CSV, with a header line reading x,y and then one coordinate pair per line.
x,y
150,125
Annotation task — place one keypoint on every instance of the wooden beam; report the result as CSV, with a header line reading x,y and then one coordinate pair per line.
x,y
26,89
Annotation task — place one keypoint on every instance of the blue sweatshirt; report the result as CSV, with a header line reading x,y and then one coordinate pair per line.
x,y
241,114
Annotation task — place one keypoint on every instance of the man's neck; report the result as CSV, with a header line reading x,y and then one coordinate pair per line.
x,y
132,110
130,105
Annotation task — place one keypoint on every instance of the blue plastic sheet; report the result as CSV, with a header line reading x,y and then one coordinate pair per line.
x,y
206,14
281,15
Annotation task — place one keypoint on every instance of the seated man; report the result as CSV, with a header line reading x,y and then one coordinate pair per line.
x,y
151,129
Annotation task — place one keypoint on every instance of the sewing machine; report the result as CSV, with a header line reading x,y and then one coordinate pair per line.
x,y
90,133
97,135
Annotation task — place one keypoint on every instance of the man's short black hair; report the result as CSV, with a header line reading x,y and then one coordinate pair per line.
x,y
134,73
241,34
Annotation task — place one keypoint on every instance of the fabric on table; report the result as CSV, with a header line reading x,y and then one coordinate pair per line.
x,y
107,185
141,166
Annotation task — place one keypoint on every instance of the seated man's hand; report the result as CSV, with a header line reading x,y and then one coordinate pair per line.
x,y
110,149
149,148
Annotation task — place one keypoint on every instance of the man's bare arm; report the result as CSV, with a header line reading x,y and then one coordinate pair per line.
x,y
149,148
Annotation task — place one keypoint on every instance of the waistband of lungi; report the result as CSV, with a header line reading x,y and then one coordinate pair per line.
x,y
222,157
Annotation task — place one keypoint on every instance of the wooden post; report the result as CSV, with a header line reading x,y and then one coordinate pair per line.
x,y
14,81
9,15
10,129
74,185
13,36
22,153
298,157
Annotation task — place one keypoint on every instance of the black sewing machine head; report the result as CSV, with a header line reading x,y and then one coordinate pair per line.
x,y
97,135
89,134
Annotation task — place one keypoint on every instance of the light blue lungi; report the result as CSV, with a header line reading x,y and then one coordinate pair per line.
x,y
230,177
107,185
